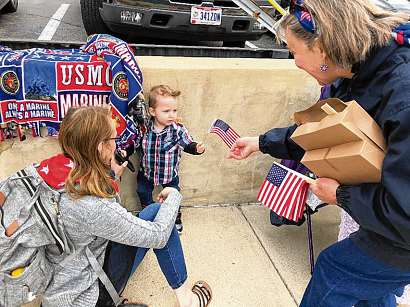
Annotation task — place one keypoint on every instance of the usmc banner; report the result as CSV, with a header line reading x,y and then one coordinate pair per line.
x,y
38,86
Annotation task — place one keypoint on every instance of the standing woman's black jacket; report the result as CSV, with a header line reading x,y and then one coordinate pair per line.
x,y
381,85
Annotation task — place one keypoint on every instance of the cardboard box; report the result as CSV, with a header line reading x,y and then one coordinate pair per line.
x,y
319,129
341,141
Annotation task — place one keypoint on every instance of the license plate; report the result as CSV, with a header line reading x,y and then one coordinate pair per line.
x,y
201,15
131,17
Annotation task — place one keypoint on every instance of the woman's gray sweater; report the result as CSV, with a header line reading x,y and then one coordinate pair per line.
x,y
93,221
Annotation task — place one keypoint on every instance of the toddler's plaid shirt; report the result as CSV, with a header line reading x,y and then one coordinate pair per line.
x,y
161,151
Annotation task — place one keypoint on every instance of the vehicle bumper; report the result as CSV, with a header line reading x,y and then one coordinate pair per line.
x,y
176,24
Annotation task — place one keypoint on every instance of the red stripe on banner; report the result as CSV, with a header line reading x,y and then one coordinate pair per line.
x,y
83,76
26,111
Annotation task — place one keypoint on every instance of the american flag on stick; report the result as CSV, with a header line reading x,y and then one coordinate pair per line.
x,y
284,191
225,132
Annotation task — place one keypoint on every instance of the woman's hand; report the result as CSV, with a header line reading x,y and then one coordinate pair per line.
x,y
243,148
200,148
116,168
325,190
164,194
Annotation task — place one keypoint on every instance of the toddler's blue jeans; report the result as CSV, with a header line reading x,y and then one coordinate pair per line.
x,y
345,276
146,187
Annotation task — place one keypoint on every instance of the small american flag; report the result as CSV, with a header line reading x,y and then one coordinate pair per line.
x,y
225,132
284,192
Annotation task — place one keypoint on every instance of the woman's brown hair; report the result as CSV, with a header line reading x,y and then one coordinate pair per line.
x,y
346,29
81,132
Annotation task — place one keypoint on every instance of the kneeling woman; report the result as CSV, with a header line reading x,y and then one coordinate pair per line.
x,y
93,217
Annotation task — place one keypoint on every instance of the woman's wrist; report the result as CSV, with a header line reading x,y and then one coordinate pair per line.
x,y
255,143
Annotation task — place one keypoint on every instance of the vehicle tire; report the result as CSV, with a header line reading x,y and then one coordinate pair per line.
x,y
11,7
238,44
90,13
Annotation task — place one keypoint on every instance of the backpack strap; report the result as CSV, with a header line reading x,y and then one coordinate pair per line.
x,y
22,215
103,277
41,210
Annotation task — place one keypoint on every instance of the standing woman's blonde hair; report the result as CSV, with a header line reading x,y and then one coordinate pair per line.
x,y
81,132
346,30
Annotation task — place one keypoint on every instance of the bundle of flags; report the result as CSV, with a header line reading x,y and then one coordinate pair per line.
x,y
284,191
224,131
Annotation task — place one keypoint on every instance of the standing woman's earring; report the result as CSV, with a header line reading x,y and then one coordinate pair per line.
x,y
324,67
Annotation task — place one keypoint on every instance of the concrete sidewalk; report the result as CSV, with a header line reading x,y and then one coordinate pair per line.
x,y
246,260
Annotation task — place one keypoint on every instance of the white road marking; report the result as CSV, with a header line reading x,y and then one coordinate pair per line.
x,y
250,45
51,27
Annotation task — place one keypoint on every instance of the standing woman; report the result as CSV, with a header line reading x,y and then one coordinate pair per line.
x,y
367,49
92,216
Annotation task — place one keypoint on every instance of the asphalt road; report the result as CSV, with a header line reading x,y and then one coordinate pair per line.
x,y
60,20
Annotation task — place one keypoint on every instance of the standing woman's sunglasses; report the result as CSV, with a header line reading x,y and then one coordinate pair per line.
x,y
303,15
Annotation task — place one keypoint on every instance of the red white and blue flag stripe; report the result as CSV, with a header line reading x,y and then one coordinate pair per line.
x,y
284,192
224,131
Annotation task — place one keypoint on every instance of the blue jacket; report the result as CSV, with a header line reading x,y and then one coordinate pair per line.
x,y
381,85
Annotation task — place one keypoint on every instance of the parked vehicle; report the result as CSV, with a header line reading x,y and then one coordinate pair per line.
x,y
193,20
8,6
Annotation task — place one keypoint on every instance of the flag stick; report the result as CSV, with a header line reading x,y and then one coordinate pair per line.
x,y
306,178
310,239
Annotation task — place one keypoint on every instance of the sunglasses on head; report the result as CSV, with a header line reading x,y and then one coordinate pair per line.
x,y
303,15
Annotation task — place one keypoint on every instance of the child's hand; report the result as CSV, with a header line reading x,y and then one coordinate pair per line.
x,y
200,148
117,167
123,153
164,194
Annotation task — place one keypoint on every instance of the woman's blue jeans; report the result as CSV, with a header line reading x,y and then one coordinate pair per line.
x,y
345,276
121,260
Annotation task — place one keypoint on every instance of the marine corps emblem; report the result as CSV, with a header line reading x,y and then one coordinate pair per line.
x,y
9,82
120,86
